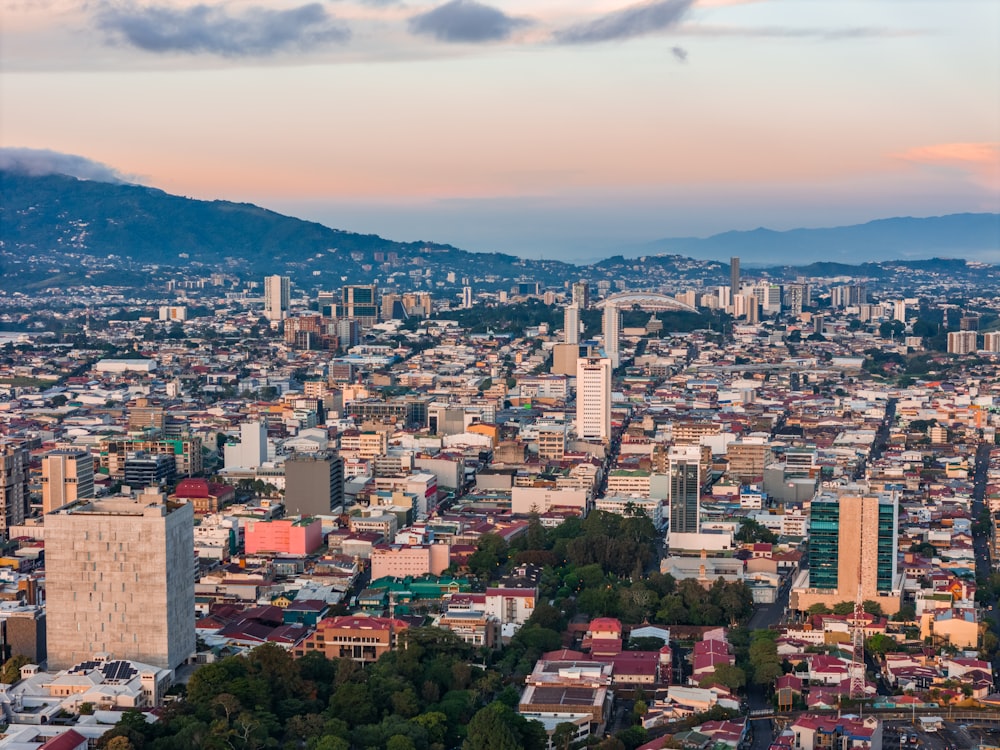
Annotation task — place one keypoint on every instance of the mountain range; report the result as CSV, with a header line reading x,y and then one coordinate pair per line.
x,y
53,218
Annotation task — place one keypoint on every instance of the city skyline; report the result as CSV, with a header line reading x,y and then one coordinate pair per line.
x,y
532,129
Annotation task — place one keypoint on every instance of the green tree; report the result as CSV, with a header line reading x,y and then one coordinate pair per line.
x,y
563,735
729,675
843,608
819,609
12,669
491,729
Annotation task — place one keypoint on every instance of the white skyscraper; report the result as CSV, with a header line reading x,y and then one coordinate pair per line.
x,y
899,310
466,297
277,295
593,398
571,324
612,326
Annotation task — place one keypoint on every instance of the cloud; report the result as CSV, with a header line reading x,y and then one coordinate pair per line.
x,y
633,21
790,32
679,53
40,162
466,21
980,160
216,30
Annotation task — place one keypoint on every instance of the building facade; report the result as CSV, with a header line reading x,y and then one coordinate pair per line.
x,y
120,580
14,492
314,484
593,398
67,476
277,297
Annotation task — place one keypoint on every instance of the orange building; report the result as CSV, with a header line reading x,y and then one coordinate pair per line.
x,y
356,637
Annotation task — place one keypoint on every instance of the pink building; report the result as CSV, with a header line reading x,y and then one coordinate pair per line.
x,y
284,536
401,560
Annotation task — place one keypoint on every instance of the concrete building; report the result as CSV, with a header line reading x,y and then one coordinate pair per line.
x,y
14,492
251,451
991,341
120,580
277,296
685,489
283,536
734,275
853,540
67,476
961,342
612,322
314,484
402,560
581,294
593,398
571,324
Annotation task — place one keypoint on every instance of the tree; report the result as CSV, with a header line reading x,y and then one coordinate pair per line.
x,y
843,608
12,669
491,729
819,609
563,735
872,607
729,675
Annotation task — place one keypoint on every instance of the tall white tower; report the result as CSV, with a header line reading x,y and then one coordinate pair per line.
x,y
571,324
466,297
612,326
277,296
593,398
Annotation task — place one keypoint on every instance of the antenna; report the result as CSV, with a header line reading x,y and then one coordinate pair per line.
x,y
858,634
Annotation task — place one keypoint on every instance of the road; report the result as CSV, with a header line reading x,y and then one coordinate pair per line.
x,y
980,542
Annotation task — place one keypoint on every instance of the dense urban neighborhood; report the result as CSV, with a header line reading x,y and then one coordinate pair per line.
x,y
670,504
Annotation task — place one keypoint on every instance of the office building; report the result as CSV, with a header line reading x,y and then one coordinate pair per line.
x,y
251,451
612,330
466,297
899,310
581,294
173,313
685,489
360,302
734,275
14,493
593,398
571,324
853,540
67,476
120,580
144,414
277,297
314,484
961,342
149,470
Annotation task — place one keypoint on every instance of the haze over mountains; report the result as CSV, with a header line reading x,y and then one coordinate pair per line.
x,y
56,213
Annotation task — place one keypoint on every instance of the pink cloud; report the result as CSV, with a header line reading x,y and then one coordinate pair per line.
x,y
981,161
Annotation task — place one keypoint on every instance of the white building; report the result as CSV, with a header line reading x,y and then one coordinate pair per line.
x,y
277,296
593,398
612,328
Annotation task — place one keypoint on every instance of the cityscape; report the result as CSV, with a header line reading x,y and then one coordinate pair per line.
x,y
499,375
660,503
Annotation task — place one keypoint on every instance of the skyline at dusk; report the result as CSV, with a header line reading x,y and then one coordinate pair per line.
x,y
546,128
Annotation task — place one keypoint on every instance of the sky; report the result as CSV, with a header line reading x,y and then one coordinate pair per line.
x,y
544,128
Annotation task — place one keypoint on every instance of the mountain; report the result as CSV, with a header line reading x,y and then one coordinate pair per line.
x,y
57,230
57,214
969,236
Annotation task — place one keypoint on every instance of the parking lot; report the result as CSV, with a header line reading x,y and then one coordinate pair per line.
x,y
952,736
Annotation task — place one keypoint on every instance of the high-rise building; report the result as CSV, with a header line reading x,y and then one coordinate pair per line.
x,y
67,476
899,310
277,297
144,414
991,341
466,297
14,492
961,342
119,579
571,324
685,489
612,327
326,302
581,294
314,484
968,323
853,541
251,451
593,398
360,302
734,274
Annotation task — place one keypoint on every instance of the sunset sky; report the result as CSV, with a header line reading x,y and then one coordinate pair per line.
x,y
549,127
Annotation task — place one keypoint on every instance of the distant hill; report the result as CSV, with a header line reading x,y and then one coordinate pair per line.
x,y
54,228
968,236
